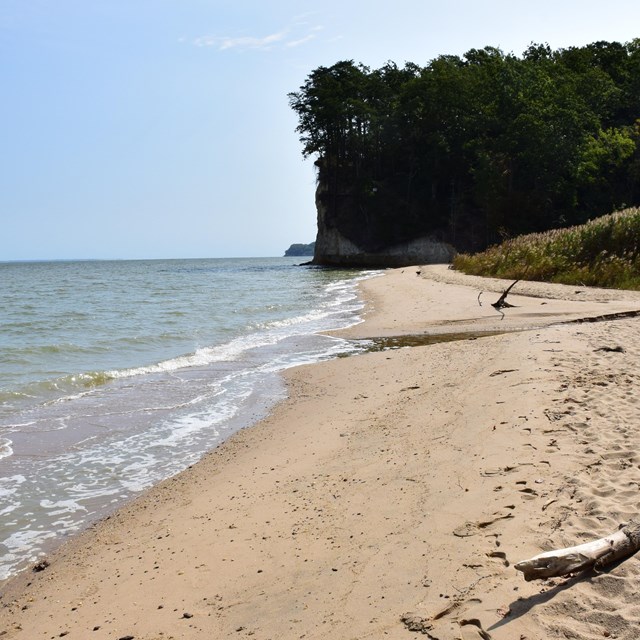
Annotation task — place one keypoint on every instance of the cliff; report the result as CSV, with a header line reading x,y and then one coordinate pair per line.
x,y
350,235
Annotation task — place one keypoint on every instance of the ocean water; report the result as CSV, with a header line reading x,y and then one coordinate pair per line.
x,y
117,374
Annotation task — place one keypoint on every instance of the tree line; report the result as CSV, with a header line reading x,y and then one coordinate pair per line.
x,y
474,148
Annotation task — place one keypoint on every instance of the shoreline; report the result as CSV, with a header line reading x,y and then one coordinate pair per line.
x,y
389,483
79,445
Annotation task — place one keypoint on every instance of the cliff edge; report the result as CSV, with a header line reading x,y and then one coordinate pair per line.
x,y
350,236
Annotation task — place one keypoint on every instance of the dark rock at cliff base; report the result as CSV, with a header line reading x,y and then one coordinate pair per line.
x,y
349,237
340,252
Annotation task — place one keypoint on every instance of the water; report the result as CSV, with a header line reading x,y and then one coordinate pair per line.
x,y
115,375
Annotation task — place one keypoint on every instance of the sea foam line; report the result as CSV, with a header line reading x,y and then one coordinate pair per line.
x,y
122,473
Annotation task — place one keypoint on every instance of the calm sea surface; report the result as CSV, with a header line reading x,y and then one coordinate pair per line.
x,y
115,375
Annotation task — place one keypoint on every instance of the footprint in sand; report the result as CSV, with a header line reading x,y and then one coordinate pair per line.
x,y
472,629
499,555
469,529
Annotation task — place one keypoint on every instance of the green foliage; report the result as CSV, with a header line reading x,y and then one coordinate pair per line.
x,y
604,252
605,152
467,146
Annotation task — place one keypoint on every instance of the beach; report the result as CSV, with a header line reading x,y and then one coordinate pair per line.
x,y
392,492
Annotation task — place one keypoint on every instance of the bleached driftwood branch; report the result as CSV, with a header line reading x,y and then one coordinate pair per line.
x,y
618,545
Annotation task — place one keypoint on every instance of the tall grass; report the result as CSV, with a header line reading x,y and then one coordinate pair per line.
x,y
604,252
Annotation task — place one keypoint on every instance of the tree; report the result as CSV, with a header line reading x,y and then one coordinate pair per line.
x,y
474,146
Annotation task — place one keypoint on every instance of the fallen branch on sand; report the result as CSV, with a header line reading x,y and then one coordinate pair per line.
x,y
501,302
599,553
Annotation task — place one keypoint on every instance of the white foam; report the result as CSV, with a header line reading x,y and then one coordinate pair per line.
x,y
294,321
5,448
205,356
22,547
61,506
181,428
10,484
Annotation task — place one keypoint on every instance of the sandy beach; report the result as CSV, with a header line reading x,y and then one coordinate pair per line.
x,y
391,494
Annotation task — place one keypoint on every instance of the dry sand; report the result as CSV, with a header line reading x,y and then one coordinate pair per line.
x,y
392,491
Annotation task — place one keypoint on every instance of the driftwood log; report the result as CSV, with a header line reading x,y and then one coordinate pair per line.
x,y
597,554
501,303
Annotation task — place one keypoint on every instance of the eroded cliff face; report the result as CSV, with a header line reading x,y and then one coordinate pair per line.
x,y
366,249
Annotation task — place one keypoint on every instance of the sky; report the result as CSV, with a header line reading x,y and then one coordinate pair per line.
x,y
135,129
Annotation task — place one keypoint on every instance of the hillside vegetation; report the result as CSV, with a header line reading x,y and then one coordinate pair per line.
x,y
604,252
466,147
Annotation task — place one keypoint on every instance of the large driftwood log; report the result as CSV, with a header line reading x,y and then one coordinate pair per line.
x,y
599,553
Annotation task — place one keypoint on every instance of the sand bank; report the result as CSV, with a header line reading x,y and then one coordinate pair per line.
x,y
392,491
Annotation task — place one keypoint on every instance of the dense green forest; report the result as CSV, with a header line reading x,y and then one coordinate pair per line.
x,y
476,148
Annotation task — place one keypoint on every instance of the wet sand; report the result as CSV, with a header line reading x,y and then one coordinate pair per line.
x,y
392,492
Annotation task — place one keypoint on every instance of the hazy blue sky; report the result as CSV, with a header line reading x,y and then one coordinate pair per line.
x,y
161,128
